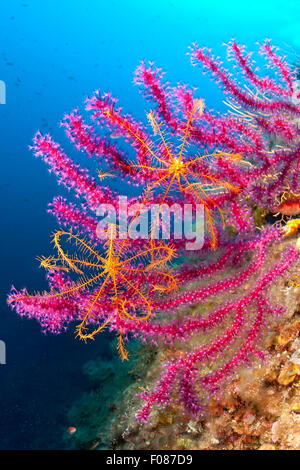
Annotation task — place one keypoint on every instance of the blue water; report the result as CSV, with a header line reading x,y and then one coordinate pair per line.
x,y
53,53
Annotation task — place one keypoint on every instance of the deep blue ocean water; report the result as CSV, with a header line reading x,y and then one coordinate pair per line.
x,y
53,53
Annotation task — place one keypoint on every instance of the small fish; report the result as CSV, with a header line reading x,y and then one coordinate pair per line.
x,y
71,430
102,175
289,207
113,136
94,446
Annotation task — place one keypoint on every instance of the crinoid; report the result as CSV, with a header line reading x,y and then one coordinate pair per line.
x,y
118,282
191,176
172,170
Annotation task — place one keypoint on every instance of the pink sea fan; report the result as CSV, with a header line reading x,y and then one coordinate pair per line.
x,y
229,163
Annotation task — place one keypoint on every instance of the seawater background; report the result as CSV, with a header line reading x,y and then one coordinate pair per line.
x,y
53,53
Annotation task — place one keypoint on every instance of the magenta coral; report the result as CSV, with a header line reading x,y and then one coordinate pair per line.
x,y
187,154
244,325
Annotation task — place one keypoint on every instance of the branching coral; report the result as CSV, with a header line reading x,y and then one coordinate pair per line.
x,y
238,325
188,155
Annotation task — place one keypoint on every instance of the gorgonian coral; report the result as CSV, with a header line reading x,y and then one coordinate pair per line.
x,y
187,155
